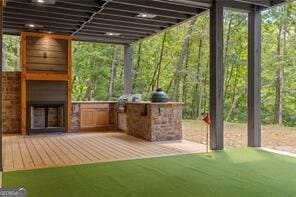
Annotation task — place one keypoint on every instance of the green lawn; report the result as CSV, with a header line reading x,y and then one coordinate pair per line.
x,y
236,173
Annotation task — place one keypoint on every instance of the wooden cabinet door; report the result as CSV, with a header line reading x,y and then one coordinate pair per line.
x,y
88,118
102,119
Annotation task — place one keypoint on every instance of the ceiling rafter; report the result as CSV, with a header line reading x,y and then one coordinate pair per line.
x,y
136,9
160,6
90,20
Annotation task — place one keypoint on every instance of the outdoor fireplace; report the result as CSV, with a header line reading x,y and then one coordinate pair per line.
x,y
46,106
46,117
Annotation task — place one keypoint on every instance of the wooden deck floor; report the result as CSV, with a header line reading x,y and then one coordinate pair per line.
x,y
42,151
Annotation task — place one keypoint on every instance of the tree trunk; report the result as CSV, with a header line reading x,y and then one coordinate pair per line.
x,y
157,67
279,82
180,61
225,57
112,74
184,97
160,59
198,85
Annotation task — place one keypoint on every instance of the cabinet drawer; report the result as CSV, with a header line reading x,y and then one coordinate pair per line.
x,y
94,106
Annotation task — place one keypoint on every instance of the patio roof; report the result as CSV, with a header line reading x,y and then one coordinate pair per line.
x,y
109,21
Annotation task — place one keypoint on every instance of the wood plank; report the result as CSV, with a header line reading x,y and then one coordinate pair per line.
x,y
37,160
16,154
71,151
47,77
58,150
47,60
48,156
94,106
58,68
49,152
33,40
50,54
112,148
120,148
45,35
27,160
90,149
140,146
8,160
80,146
102,150
45,47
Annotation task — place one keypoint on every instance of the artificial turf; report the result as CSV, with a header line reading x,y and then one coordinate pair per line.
x,y
236,173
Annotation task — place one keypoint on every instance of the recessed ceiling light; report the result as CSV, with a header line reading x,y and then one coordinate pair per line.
x,y
146,15
112,34
30,25
44,2
34,26
46,31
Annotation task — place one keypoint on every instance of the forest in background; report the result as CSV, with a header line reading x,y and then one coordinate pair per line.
x,y
177,61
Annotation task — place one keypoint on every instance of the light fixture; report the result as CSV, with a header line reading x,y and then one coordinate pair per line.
x,y
46,31
30,25
33,26
112,34
146,15
44,2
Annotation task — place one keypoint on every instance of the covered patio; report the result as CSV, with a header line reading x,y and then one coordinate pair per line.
x,y
125,22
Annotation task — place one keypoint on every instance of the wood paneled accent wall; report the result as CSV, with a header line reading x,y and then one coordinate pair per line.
x,y
45,57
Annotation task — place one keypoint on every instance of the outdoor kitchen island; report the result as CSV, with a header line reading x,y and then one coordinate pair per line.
x,y
146,120
154,121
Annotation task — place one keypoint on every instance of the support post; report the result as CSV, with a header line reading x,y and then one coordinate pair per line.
x,y
127,69
254,77
1,97
216,76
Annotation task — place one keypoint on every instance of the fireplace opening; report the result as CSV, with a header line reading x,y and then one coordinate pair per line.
x,y
46,117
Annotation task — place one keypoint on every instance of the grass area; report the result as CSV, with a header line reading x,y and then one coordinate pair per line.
x,y
235,135
231,173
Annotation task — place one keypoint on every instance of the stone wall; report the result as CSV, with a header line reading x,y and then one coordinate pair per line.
x,y
139,121
75,118
11,102
155,121
112,116
166,122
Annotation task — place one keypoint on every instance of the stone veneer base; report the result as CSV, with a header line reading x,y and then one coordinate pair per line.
x,y
155,121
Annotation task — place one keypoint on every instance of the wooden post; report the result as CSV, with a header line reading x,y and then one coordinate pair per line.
x,y
254,78
128,69
216,76
69,84
1,94
23,85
